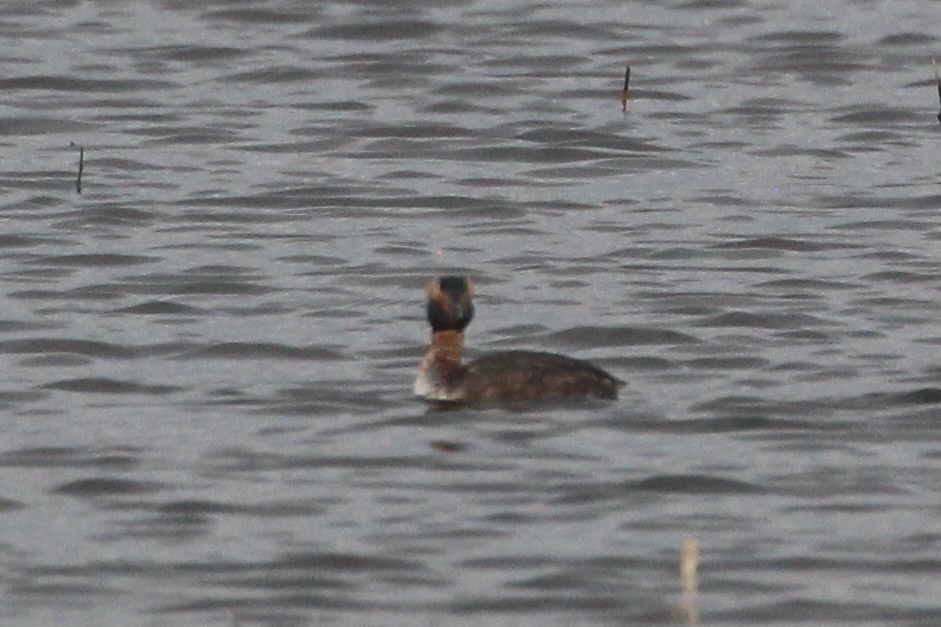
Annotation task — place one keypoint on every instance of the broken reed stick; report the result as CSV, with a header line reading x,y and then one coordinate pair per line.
x,y
689,574
624,94
81,165
937,77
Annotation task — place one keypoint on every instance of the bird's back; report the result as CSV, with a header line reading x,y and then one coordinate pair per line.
x,y
517,376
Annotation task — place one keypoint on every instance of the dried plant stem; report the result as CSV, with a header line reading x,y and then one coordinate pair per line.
x,y
937,77
625,93
689,573
81,166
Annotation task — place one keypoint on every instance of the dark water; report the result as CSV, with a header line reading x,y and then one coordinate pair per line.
x,y
207,355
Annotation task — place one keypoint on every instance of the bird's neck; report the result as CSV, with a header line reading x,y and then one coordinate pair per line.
x,y
440,372
446,346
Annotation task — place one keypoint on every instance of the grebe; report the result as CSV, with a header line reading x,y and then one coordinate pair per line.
x,y
504,377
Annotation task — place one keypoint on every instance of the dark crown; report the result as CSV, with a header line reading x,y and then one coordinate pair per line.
x,y
450,307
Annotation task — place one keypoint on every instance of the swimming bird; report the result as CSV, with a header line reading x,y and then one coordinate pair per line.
x,y
508,377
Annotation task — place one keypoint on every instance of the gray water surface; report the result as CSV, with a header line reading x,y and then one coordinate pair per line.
x,y
207,355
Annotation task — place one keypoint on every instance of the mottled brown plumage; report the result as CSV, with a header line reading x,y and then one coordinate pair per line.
x,y
508,377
